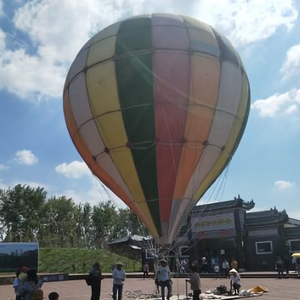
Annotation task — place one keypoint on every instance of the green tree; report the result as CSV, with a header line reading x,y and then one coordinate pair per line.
x,y
83,216
20,209
58,226
104,219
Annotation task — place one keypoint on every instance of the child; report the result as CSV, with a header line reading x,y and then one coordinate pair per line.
x,y
53,296
195,283
16,284
235,281
22,277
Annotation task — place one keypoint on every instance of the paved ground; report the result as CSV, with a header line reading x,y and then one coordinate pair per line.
x,y
279,289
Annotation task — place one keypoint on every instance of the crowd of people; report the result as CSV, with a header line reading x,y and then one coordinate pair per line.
x,y
282,265
27,286
163,279
213,264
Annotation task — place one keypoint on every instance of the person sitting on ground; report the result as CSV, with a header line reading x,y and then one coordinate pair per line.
x,y
53,296
195,283
235,281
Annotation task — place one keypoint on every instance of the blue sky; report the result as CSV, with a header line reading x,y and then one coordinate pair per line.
x,y
39,40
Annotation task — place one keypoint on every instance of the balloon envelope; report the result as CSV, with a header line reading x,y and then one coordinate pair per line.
x,y
156,105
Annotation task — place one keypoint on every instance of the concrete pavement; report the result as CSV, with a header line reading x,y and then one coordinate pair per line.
x,y
279,289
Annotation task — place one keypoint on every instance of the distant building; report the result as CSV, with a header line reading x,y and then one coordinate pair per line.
x,y
134,247
228,230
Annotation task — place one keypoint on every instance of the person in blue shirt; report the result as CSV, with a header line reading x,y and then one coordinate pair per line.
x,y
118,275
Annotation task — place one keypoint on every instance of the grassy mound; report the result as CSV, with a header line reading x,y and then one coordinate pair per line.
x,y
73,260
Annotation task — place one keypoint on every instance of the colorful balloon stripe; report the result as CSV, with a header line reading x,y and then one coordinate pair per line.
x,y
156,106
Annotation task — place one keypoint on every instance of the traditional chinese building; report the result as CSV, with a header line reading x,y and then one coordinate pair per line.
x,y
217,230
229,230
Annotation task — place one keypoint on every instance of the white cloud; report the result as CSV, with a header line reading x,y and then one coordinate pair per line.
x,y
277,104
291,65
75,169
58,29
5,185
246,22
1,8
3,167
32,184
294,214
94,194
258,209
283,185
2,40
26,157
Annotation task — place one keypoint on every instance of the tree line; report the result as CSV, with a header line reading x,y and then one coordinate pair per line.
x,y
27,215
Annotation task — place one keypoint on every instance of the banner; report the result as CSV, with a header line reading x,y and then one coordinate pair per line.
x,y
17,255
206,223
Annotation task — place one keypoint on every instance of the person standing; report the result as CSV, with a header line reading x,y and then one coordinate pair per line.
x,y
95,277
286,264
163,276
119,278
195,283
155,265
234,264
145,270
225,267
156,279
16,284
204,265
279,266
294,263
31,288
298,265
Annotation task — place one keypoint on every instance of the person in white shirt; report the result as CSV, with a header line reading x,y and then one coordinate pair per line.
x,y
118,275
225,267
163,277
235,281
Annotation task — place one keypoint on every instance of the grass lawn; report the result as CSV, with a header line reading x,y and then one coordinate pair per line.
x,y
72,260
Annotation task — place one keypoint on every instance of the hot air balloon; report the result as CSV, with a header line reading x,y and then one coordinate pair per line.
x,y
156,106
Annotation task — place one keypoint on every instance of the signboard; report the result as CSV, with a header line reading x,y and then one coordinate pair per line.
x,y
217,234
17,255
218,225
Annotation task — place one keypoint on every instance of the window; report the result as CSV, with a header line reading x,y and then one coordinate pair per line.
x,y
294,245
149,254
183,251
264,247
